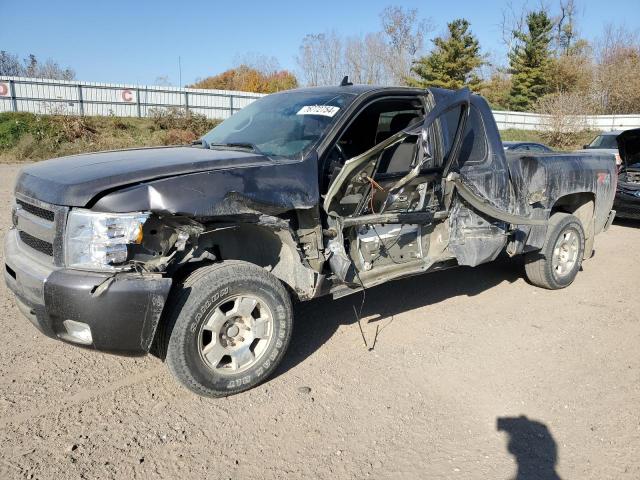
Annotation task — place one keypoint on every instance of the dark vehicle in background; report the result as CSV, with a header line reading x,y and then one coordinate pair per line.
x,y
196,252
627,201
604,143
526,147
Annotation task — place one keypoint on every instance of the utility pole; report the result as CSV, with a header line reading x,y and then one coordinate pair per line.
x,y
180,72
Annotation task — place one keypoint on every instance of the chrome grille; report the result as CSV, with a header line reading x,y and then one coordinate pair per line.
x,y
37,244
40,228
37,211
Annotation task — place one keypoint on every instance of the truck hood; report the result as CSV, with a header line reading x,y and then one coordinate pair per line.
x,y
75,180
629,147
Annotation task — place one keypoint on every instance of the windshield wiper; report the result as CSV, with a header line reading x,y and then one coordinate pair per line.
x,y
242,145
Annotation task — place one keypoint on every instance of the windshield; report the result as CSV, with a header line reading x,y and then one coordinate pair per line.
x,y
604,141
282,125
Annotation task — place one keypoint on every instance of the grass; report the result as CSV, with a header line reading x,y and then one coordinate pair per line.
x,y
29,137
572,141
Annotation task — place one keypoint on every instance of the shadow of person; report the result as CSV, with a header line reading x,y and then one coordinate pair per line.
x,y
533,446
317,320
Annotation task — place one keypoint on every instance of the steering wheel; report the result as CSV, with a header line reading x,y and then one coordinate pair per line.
x,y
343,156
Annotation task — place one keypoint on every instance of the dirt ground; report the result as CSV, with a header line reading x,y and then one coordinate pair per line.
x,y
475,374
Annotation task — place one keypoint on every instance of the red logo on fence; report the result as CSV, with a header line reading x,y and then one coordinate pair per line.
x,y
127,95
4,89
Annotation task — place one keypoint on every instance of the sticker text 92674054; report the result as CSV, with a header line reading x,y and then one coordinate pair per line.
x,y
324,110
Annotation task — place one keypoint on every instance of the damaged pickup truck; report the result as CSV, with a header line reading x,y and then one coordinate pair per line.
x,y
195,253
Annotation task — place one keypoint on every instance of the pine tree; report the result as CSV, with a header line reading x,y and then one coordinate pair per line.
x,y
530,62
453,62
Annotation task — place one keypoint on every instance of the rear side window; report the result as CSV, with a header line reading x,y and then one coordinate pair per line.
x,y
474,144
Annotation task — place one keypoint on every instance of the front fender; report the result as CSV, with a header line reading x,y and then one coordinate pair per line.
x,y
265,189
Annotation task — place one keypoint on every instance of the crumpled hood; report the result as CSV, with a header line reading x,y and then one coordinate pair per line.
x,y
629,146
75,180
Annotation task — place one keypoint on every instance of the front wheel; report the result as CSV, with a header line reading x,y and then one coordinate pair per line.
x,y
229,328
556,265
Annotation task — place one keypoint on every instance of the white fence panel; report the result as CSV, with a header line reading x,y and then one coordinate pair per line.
x,y
518,120
613,122
90,98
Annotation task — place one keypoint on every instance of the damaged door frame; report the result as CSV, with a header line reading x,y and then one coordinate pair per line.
x,y
363,167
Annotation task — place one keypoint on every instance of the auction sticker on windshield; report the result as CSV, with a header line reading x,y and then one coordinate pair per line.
x,y
324,110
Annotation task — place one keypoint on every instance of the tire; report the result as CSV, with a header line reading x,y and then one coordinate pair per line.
x,y
565,239
218,342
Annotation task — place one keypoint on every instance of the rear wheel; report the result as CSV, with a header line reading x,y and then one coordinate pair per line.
x,y
229,328
558,262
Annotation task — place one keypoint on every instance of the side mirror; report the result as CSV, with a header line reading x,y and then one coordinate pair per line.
x,y
584,147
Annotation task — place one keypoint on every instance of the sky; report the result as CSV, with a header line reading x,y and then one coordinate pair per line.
x,y
138,41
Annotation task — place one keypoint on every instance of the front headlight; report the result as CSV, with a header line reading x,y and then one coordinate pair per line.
x,y
99,241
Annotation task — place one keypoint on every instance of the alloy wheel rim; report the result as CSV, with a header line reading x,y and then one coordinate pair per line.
x,y
236,334
565,253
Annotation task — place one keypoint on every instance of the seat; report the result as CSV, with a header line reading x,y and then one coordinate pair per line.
x,y
398,122
398,158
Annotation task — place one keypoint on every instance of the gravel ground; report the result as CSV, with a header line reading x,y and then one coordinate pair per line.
x,y
475,374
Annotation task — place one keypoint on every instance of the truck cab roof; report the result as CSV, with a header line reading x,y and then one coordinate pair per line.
x,y
354,89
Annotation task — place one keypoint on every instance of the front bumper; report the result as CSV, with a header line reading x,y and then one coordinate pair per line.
x,y
122,318
627,204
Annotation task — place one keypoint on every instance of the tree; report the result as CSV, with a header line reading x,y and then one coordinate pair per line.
x,y
163,81
405,33
616,87
530,60
572,71
281,80
10,65
31,67
565,24
263,63
247,79
365,59
513,20
496,89
454,61
325,58
320,59
566,117
383,57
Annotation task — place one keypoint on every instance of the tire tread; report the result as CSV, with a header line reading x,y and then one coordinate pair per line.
x,y
537,263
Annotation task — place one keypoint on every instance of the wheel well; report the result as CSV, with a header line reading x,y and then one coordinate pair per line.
x,y
272,249
581,205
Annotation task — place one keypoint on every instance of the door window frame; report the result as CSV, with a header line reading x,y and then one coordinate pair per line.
x,y
360,109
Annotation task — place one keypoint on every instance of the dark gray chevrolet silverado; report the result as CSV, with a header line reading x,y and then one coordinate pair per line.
x,y
195,253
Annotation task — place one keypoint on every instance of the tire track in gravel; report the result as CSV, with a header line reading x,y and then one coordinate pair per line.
x,y
84,396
